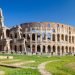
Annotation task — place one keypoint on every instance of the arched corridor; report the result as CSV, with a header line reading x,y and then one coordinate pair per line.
x,y
38,48
49,48
15,48
33,48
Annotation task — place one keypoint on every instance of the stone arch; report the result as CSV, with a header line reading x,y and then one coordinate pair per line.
x,y
69,39
33,48
20,48
33,37
54,48
38,48
15,35
44,49
58,37
49,48
15,48
73,49
62,36
58,50
66,37
72,39
66,49
0,47
7,33
53,37
24,35
70,50
28,37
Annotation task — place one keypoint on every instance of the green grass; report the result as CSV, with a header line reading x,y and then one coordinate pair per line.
x,y
56,68
60,68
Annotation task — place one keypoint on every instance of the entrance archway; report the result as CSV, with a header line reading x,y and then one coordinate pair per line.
x,y
44,49
49,48
33,48
38,48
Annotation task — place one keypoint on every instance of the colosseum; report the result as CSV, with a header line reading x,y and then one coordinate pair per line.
x,y
37,38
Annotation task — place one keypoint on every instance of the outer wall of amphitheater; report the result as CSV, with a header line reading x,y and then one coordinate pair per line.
x,y
44,38
37,38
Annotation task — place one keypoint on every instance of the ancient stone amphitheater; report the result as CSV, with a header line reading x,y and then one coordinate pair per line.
x,y
37,38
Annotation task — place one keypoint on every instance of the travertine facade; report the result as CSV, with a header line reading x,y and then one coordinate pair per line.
x,y
37,38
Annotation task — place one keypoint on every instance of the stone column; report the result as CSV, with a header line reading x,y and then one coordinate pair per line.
x,y
51,50
46,34
3,32
24,45
26,33
8,46
31,47
60,51
64,51
41,34
19,32
36,48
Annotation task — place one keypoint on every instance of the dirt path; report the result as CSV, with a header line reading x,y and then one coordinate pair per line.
x,y
2,73
17,64
42,69
22,63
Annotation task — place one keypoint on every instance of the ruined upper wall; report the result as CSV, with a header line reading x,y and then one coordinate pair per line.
x,y
44,25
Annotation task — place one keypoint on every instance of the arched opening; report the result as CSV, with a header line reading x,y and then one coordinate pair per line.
x,y
58,37
62,37
69,50
69,39
54,48
66,38
15,48
66,49
33,48
24,35
0,47
44,49
20,48
28,37
73,49
38,36
44,36
58,50
72,39
7,32
15,35
62,26
38,48
49,36
53,37
33,37
49,48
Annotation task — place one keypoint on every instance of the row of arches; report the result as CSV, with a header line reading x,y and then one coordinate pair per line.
x,y
18,48
63,37
48,35
48,49
52,49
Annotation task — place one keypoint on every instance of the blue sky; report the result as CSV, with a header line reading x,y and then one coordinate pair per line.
x,y
21,11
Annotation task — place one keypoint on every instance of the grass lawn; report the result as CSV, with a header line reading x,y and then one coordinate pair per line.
x,y
63,67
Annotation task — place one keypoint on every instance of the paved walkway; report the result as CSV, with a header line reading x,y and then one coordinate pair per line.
x,y
42,69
